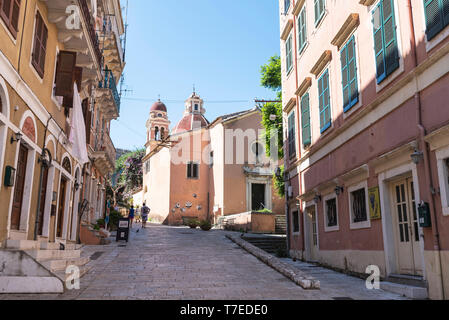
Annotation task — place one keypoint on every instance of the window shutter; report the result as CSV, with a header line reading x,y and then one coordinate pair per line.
x,y
445,10
317,9
391,45
15,16
78,75
324,100
195,170
434,19
302,31
88,119
65,74
349,75
305,120
378,43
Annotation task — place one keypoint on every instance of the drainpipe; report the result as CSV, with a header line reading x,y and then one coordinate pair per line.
x,y
424,145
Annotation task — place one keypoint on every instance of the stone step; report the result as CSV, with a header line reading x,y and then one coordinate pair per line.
x,y
412,292
26,285
57,246
61,265
63,276
43,255
22,244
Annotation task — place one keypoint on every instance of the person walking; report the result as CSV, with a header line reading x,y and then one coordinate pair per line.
x,y
144,215
131,216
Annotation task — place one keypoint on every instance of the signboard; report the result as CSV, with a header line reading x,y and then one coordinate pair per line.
x,y
374,203
123,230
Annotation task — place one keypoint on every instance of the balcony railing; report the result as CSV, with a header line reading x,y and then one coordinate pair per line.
x,y
109,83
92,34
108,147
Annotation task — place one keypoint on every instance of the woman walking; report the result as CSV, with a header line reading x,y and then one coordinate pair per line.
x,y
131,216
145,213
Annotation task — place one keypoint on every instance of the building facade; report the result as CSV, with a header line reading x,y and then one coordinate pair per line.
x,y
207,171
46,48
367,121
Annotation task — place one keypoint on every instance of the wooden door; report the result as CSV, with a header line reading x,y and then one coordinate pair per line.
x,y
406,227
19,188
43,196
61,209
312,233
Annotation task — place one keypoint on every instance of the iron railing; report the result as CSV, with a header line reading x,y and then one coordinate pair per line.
x,y
109,83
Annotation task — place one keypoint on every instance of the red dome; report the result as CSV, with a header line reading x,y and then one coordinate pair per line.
x,y
158,106
190,122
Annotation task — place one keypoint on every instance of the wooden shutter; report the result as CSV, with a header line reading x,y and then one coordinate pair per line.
x,y
349,75
434,17
40,45
291,136
78,76
305,120
9,12
391,45
324,97
65,73
445,11
378,43
302,29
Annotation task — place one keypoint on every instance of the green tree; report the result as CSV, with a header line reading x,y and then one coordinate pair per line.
x,y
272,114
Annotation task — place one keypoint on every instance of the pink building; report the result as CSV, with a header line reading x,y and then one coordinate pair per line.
x,y
210,171
367,124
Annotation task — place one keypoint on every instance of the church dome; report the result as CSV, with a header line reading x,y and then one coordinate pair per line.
x,y
190,122
158,106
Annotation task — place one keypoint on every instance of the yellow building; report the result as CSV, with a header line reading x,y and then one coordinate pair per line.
x,y
45,48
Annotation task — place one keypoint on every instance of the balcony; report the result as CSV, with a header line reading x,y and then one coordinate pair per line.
x,y
114,55
81,39
107,96
104,156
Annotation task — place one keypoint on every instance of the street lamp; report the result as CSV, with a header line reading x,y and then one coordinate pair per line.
x,y
339,190
417,156
18,137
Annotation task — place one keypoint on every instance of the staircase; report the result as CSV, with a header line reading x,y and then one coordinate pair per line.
x,y
53,257
270,244
413,287
281,225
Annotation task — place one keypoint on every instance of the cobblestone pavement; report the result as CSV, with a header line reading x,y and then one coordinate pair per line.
x,y
166,263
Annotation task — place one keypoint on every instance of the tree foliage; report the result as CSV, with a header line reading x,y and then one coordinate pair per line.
x,y
271,78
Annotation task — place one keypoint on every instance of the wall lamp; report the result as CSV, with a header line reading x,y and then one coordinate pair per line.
x,y
417,156
317,199
18,137
77,185
339,190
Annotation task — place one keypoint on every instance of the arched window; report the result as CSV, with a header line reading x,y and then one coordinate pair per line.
x,y
162,133
1,104
156,133
66,165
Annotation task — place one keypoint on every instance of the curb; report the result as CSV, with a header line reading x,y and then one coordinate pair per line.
x,y
297,276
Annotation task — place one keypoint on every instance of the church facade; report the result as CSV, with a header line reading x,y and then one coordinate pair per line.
x,y
206,170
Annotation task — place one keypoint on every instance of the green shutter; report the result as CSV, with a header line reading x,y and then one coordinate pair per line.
x,y
434,19
288,49
319,10
349,75
445,10
324,102
302,30
385,40
305,120
291,136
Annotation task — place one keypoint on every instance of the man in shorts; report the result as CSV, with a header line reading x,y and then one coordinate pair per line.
x,y
145,213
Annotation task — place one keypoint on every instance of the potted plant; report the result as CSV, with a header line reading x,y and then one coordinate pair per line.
x,y
193,223
205,225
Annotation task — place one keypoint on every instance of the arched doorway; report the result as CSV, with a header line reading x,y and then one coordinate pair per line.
x,y
63,196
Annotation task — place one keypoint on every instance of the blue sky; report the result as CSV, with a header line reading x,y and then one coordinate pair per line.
x,y
217,45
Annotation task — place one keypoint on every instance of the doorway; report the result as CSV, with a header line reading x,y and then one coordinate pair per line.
x,y
19,189
312,233
258,197
43,197
406,228
61,209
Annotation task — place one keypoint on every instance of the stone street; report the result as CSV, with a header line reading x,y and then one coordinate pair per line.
x,y
168,263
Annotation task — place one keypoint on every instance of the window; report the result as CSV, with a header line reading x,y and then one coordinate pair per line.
x,y
349,75
156,133
291,136
324,100
295,216
286,6
437,16
257,150
40,45
289,53
305,120
9,12
147,166
302,30
385,41
331,214
162,133
320,6
211,159
192,170
358,199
